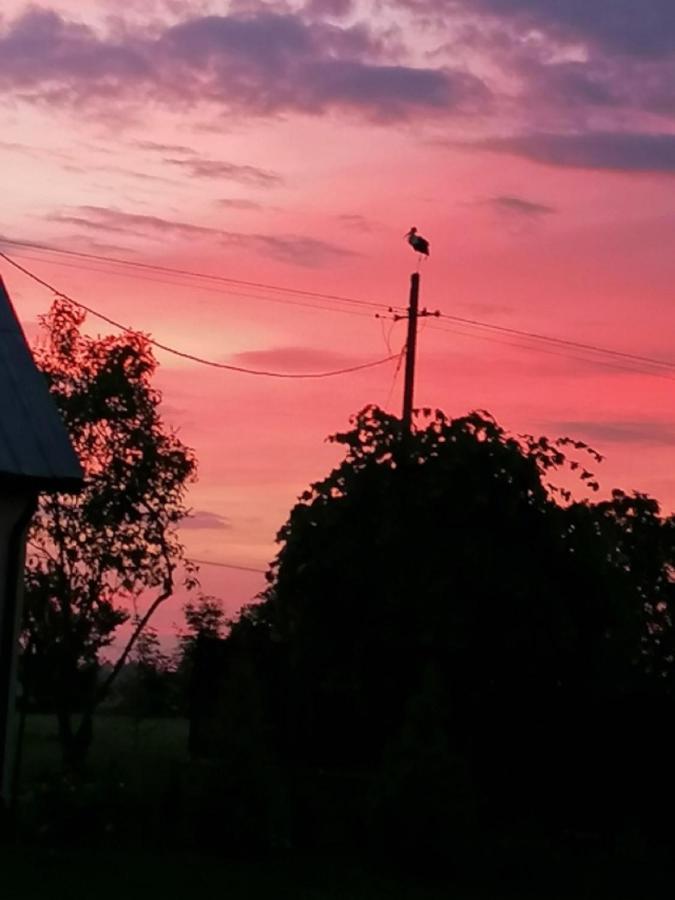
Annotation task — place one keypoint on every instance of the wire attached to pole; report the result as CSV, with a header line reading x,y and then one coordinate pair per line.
x,y
190,356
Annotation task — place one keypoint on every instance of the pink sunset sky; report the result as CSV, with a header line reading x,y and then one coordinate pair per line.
x,y
532,142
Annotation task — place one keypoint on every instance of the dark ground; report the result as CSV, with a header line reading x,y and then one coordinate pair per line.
x,y
68,875
44,864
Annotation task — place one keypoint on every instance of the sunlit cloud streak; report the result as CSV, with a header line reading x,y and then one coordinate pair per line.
x,y
298,249
201,519
198,167
621,432
519,206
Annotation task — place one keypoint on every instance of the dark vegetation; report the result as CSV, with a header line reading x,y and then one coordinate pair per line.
x,y
460,675
92,557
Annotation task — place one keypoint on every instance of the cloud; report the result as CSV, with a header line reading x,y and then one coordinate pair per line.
x,y
567,63
294,359
356,222
103,218
634,27
620,432
518,206
640,27
258,62
237,203
204,519
154,147
390,92
199,167
338,9
614,151
297,249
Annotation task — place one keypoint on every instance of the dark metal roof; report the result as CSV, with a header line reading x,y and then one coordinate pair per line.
x,y
34,445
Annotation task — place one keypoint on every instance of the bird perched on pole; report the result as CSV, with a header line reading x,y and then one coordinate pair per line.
x,y
417,242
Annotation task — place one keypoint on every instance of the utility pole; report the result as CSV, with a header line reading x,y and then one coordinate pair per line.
x,y
414,313
411,352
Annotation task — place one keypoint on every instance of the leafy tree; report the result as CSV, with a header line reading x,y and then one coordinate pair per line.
x,y
470,550
95,556
205,617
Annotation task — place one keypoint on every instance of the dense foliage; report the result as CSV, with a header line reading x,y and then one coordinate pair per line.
x,y
459,632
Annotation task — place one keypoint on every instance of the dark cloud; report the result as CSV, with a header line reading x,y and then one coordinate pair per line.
x,y
338,9
204,519
390,92
40,49
640,27
199,167
518,206
573,62
634,27
620,432
618,151
296,249
258,62
276,62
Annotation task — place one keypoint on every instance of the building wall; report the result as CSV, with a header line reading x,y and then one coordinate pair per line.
x,y
15,511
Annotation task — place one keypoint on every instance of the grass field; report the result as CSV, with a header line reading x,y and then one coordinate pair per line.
x,y
122,855
119,742
135,876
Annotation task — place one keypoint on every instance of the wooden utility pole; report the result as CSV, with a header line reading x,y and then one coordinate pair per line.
x,y
411,352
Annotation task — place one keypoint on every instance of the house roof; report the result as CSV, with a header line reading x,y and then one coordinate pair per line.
x,y
34,446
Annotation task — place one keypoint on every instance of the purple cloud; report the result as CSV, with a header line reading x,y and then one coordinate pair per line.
x,y
633,27
618,151
640,27
40,48
259,63
337,9
574,61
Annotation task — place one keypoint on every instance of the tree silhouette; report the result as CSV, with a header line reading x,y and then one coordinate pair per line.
x,y
96,556
469,550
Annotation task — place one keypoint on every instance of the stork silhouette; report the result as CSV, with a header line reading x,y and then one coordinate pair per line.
x,y
417,242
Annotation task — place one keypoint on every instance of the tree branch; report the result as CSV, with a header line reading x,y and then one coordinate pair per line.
x,y
104,689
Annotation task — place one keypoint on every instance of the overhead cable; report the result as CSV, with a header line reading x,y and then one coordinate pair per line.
x,y
190,356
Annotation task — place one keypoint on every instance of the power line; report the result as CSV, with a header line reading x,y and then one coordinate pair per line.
x,y
578,345
220,292
224,565
189,356
193,274
550,352
317,295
